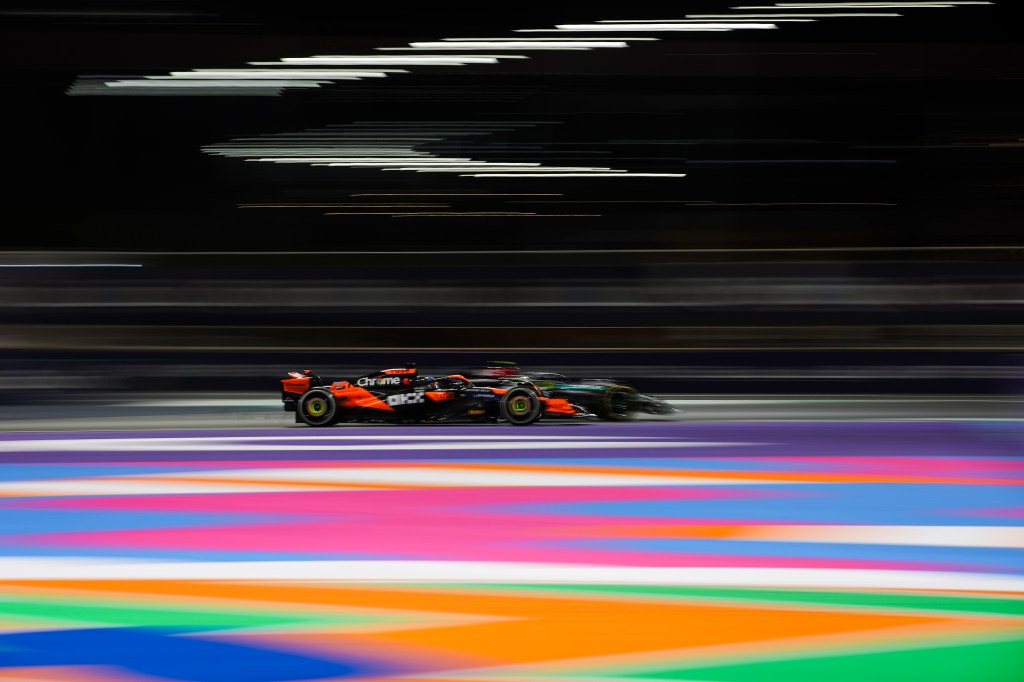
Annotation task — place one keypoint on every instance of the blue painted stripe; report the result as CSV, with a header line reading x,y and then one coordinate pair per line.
x,y
977,559
840,503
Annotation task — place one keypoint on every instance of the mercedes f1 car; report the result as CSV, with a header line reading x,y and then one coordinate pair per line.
x,y
608,399
400,395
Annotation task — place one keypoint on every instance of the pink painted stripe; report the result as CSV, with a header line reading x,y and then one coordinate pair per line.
x,y
388,501
472,542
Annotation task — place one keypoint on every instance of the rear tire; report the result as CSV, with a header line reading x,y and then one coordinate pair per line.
x,y
520,406
316,407
618,404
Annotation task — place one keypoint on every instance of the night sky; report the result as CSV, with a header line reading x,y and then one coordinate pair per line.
x,y
880,131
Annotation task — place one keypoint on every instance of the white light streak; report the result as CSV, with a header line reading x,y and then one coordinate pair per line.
x,y
278,73
70,265
411,61
263,77
406,59
286,71
508,215
468,194
447,210
427,164
546,45
355,146
607,28
662,27
479,252
689,21
801,15
366,159
840,5
428,56
351,205
203,83
941,3
455,47
505,167
577,175
463,40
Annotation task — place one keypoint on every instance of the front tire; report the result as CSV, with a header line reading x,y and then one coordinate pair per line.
x,y
316,407
618,404
520,406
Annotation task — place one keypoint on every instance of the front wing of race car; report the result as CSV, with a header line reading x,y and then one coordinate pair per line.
x,y
607,399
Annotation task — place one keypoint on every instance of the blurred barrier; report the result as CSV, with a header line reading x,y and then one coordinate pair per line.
x,y
664,321
55,374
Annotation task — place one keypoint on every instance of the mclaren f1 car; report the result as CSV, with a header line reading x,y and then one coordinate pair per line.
x,y
608,399
401,395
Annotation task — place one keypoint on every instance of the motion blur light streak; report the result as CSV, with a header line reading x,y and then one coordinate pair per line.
x,y
944,3
467,194
598,174
690,21
772,16
70,265
567,40
85,87
501,45
663,27
408,147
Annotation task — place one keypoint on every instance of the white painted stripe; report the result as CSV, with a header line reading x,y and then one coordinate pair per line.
x,y
89,568
934,536
303,435
444,476
162,445
344,478
113,487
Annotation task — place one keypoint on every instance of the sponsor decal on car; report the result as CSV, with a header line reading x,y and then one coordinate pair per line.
x,y
379,381
405,399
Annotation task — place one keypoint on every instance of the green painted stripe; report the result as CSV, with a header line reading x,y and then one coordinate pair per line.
x,y
65,610
977,662
1006,606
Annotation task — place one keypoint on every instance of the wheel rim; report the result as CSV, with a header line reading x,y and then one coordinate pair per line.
x,y
520,405
316,407
619,402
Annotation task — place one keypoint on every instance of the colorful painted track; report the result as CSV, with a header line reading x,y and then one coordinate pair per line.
x,y
717,551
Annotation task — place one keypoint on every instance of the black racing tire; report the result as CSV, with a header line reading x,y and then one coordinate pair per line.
x,y
316,407
617,404
520,406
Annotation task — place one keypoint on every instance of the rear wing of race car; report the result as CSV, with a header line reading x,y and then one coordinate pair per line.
x,y
297,383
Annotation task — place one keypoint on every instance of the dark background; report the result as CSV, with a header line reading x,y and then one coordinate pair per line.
x,y
850,219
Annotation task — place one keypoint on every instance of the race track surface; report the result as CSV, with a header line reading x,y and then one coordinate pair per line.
x,y
718,551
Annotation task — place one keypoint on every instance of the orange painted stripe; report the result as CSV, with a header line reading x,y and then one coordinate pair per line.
x,y
552,627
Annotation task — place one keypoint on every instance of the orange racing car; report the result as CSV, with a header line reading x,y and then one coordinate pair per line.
x,y
401,395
